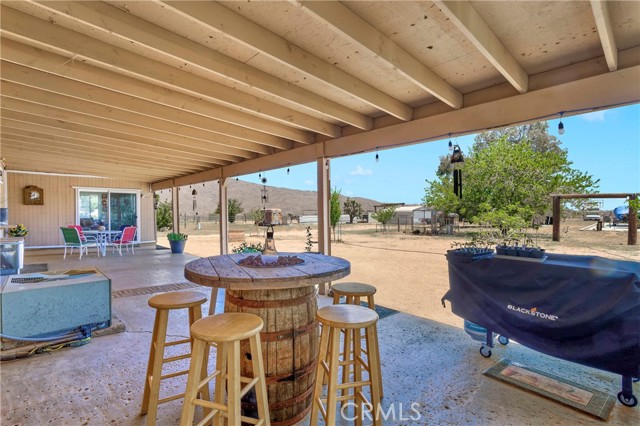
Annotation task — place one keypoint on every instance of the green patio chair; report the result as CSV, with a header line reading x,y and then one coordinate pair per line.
x,y
72,240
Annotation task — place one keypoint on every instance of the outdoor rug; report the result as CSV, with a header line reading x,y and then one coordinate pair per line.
x,y
583,398
34,267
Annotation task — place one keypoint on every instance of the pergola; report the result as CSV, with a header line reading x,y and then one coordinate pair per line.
x,y
174,93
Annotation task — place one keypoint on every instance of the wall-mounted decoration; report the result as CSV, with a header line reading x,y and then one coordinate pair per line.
x,y
33,196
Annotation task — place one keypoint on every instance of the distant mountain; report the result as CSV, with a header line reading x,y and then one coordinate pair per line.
x,y
293,201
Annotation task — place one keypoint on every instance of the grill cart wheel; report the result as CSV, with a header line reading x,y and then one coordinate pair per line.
x,y
629,402
485,351
504,340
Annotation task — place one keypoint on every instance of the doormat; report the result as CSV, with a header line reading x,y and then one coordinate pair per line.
x,y
34,267
583,398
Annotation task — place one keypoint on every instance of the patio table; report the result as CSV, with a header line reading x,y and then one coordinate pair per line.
x,y
103,238
286,299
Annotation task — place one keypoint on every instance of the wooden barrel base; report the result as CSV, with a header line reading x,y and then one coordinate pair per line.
x,y
290,340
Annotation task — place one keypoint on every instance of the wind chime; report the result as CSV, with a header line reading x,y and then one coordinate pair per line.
x,y
264,193
457,160
195,202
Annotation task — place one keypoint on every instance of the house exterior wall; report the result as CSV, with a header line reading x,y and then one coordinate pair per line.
x,y
59,209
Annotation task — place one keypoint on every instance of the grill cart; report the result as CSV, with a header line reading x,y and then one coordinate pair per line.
x,y
584,309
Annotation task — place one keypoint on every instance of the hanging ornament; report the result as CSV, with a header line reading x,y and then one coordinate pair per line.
x,y
264,196
457,159
450,144
195,202
560,125
287,170
377,156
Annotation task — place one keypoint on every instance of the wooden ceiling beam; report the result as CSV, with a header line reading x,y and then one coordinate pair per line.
x,y
71,131
223,145
122,25
72,116
33,57
343,20
139,110
605,31
231,24
45,161
44,34
78,151
470,23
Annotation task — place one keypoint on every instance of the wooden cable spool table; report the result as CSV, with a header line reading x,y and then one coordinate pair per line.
x,y
285,297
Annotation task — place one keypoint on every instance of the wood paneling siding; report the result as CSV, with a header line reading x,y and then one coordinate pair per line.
x,y
59,207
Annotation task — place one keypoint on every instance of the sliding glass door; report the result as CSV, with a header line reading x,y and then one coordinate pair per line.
x,y
112,209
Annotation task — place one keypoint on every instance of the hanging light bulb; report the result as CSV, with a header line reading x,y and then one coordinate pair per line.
x,y
450,143
560,125
377,156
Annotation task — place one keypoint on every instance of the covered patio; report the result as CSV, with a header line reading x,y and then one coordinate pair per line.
x,y
129,98
431,364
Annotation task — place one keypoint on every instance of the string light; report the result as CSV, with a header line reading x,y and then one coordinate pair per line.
x,y
287,170
450,143
560,125
377,156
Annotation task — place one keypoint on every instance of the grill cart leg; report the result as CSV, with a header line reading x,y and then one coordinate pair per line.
x,y
626,397
485,349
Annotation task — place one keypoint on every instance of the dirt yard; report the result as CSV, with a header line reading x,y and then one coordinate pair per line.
x,y
410,271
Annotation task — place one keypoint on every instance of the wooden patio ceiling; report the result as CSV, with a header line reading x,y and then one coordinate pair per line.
x,y
177,92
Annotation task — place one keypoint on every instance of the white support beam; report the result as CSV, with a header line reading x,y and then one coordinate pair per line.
x,y
342,19
224,215
175,208
245,31
605,31
323,166
471,24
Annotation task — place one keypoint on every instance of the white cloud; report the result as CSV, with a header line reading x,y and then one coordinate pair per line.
x,y
348,181
360,171
594,116
309,182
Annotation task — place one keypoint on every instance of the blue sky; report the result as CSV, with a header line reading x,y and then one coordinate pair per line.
x,y
606,144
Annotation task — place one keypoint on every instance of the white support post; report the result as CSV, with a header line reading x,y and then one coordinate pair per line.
x,y
224,216
324,196
175,208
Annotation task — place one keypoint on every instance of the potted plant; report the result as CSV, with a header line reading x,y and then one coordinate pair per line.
x,y
18,231
177,241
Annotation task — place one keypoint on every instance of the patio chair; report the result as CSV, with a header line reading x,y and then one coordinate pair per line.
x,y
83,238
72,240
127,239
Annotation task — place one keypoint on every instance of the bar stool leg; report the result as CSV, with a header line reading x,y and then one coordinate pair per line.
x,y
233,383
154,395
188,409
213,300
221,378
195,313
348,344
372,305
152,352
357,375
332,383
320,374
261,386
374,372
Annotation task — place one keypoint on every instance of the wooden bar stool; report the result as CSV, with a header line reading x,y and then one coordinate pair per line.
x,y
335,318
163,303
226,330
353,293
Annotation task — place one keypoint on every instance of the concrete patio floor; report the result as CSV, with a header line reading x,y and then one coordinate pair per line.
x,y
432,365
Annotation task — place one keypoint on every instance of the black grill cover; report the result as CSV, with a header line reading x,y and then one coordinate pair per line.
x,y
584,309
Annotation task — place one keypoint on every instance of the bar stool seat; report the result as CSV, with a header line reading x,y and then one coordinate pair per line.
x,y
163,303
226,331
351,319
353,292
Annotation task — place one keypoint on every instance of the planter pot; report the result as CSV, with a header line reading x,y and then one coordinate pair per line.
x,y
177,247
537,253
501,250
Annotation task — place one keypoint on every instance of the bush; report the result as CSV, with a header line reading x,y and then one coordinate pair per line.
x,y
164,216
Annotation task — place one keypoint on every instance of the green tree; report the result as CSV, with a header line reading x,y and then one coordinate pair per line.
x,y
353,208
384,216
234,207
334,210
507,181
164,214
256,215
